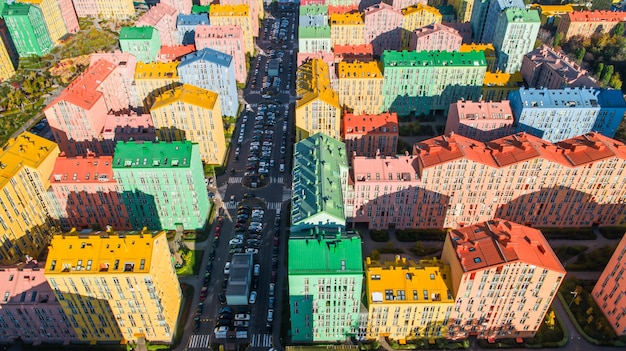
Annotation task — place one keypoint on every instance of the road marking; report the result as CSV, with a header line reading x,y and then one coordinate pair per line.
x,y
261,340
274,206
199,341
234,180
230,206
277,180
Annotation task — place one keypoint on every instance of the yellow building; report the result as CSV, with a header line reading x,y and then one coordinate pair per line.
x,y
488,49
152,79
498,85
552,13
7,69
317,109
462,10
191,113
408,299
115,287
52,16
25,167
347,28
235,15
417,16
360,87
115,8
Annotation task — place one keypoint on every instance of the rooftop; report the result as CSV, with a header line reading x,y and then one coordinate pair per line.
x,y
596,16
188,94
557,62
557,98
420,8
192,19
209,55
318,255
136,154
436,27
229,10
175,52
155,14
503,79
354,18
313,10
482,110
83,92
358,69
128,125
16,9
87,169
355,50
313,32
402,168
380,7
433,58
137,33
514,14
313,82
364,124
157,70
26,150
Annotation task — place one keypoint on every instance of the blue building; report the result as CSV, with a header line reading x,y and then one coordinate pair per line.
x,y
186,26
558,114
212,70
488,20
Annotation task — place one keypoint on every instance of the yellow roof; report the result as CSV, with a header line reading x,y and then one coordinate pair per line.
x,y
551,10
502,79
313,82
346,18
157,70
359,70
419,8
27,149
229,10
186,93
488,47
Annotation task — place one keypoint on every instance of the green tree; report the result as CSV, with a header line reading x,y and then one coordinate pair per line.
x,y
615,81
618,30
580,54
558,37
375,256
599,69
607,72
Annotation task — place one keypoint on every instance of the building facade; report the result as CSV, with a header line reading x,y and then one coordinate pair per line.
x,y
497,86
236,15
313,15
435,37
488,13
54,19
314,39
587,23
609,292
27,28
174,53
143,42
161,17
546,68
152,79
482,121
104,8
187,24
415,17
125,71
257,11
347,28
487,49
370,135
382,27
182,6
8,57
360,86
515,35
226,39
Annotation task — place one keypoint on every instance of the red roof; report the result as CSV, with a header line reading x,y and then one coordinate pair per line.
x,y
597,16
82,91
363,124
363,49
88,169
173,53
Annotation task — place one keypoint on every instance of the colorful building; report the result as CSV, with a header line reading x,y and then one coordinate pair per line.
x,y
587,23
162,184
187,24
104,8
219,76
116,287
174,53
575,183
161,17
188,112
85,194
497,86
515,35
317,109
152,79
235,15
125,71
25,163
488,13
360,86
53,17
487,49
422,82
546,68
125,126
226,39
353,53
408,299
504,277
370,135
325,280
464,29
314,39
435,37
347,28
29,310
27,28
463,10
415,17
143,42
320,177
383,27
8,57
257,11
313,16
557,114
402,4
552,14
70,19
609,292
182,6
482,121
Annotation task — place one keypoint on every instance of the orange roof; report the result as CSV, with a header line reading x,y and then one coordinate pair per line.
x,y
363,49
363,124
498,242
342,9
175,52
596,16
82,91
88,169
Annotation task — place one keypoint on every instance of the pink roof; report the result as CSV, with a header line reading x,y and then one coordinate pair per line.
x,y
82,91
403,164
123,60
155,14
122,126
173,53
498,242
380,7
88,169
435,27
232,31
597,16
363,124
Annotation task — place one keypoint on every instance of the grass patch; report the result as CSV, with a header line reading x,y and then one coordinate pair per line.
x,y
411,235
420,250
193,260
85,42
379,236
613,232
568,233
594,261
564,253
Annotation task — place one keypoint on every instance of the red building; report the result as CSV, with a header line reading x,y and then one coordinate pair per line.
x,y
370,135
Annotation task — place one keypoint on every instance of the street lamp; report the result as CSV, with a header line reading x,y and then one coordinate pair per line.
x,y
573,298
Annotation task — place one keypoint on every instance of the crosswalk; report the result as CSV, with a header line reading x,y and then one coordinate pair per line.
x,y
274,206
234,180
261,340
277,180
199,341
230,206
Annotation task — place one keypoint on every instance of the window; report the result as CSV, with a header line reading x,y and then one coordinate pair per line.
x,y
415,295
11,278
432,276
477,260
142,264
425,294
53,265
388,294
6,297
33,296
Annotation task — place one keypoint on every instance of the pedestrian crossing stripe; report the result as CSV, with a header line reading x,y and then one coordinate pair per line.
x,y
235,180
274,206
199,341
230,206
277,180
262,340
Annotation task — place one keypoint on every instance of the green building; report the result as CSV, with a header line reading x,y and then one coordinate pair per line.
x,y
325,282
162,184
514,37
320,180
27,29
196,9
314,39
429,81
143,42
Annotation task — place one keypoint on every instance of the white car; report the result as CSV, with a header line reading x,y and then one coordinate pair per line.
x,y
270,315
227,268
252,298
257,269
242,317
272,288
252,251
235,241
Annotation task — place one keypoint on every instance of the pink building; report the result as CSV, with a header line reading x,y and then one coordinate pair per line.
x,y
504,278
125,70
452,181
327,57
125,126
29,310
342,8
464,30
370,135
182,6
69,16
435,37
482,121
610,290
312,2
226,39
256,9
86,8
85,194
175,52
382,27
352,53
400,4
163,18
546,68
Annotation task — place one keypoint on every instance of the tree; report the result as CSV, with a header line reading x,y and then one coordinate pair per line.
x,y
599,69
607,72
618,30
558,37
375,256
615,81
580,53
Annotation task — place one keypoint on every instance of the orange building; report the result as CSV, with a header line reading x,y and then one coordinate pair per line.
x,y
370,135
587,23
174,52
610,290
504,278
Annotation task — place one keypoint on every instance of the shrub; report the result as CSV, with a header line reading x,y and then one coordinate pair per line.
x,y
564,253
613,232
379,236
594,261
389,249
410,235
568,233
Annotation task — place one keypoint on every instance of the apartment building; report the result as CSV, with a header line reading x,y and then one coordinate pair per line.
x,y
313,16
546,68
70,19
125,126
415,17
353,53
174,53
182,6
84,194
463,10
347,28
226,39
360,86
27,28
116,287
113,9
482,120
488,14
8,57
557,114
435,37
313,39
317,109
212,70
487,49
143,42
587,23
370,135
162,184
498,85
236,15
257,12
126,65
152,79
383,25
407,299
518,269
26,163
426,81
515,35
161,17
191,113
186,26
320,176
609,290
574,183
53,17
401,4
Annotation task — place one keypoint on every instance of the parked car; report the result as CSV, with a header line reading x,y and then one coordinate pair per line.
x,y
252,298
227,265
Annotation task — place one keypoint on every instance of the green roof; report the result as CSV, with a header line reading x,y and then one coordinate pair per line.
x,y
319,162
15,9
136,33
325,256
310,32
514,14
433,58
133,154
200,9
313,10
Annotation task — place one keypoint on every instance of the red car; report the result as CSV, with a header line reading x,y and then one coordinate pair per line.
x,y
203,293
220,220
218,230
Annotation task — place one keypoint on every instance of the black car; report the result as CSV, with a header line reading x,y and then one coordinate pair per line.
x,y
222,298
211,257
223,323
268,328
248,195
226,315
196,324
224,283
200,307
